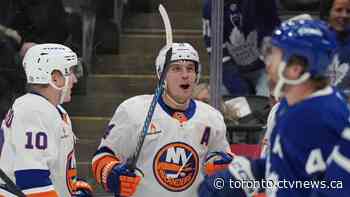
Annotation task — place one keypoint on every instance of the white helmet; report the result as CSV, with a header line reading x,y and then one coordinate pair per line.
x,y
40,60
180,51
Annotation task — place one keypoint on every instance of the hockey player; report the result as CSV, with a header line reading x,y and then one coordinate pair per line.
x,y
180,135
272,83
37,141
337,14
309,123
246,23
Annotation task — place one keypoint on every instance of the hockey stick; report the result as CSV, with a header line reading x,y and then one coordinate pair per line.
x,y
10,186
131,161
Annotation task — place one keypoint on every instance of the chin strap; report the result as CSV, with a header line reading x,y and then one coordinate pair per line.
x,y
283,80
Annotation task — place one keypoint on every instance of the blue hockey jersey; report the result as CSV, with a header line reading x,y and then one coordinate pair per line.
x,y
337,173
309,152
246,23
302,141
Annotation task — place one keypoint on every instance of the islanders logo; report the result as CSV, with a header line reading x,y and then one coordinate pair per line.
x,y
176,166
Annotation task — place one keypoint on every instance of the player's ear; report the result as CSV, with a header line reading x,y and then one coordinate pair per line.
x,y
57,78
295,71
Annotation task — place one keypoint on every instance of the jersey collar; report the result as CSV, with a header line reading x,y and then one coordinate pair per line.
x,y
38,94
189,112
57,107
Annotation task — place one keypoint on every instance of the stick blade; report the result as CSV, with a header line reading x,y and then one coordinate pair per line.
x,y
167,24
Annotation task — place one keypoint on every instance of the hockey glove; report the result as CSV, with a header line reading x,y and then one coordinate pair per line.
x,y
117,178
238,180
216,161
82,189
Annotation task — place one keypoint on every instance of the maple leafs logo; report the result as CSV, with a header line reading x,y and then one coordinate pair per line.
x,y
337,71
243,50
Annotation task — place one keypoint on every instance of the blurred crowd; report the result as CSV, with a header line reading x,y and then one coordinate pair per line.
x,y
24,23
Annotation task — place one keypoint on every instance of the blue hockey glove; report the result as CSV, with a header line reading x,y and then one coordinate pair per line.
x,y
120,180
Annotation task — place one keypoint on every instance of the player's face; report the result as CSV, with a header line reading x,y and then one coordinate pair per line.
x,y
339,17
180,80
72,80
272,60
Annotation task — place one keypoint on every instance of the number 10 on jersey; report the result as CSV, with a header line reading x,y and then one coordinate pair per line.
x,y
36,140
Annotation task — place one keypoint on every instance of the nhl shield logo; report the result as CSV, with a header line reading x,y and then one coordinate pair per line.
x,y
176,166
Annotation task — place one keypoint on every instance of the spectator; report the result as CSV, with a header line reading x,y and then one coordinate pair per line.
x,y
337,14
233,109
246,23
201,93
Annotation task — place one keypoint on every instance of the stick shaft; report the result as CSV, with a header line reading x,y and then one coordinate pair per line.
x,y
131,162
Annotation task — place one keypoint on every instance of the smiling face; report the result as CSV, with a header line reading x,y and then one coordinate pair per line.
x,y
180,80
339,17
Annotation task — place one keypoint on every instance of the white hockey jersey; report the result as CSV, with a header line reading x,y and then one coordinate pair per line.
x,y
37,142
269,127
175,146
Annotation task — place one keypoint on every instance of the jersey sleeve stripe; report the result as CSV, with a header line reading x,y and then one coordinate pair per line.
x,y
39,190
99,164
99,156
341,160
43,194
38,178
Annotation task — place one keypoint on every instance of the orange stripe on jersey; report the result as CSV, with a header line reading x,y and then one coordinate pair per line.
x,y
99,164
43,194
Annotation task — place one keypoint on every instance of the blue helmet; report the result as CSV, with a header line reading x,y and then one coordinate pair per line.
x,y
310,39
